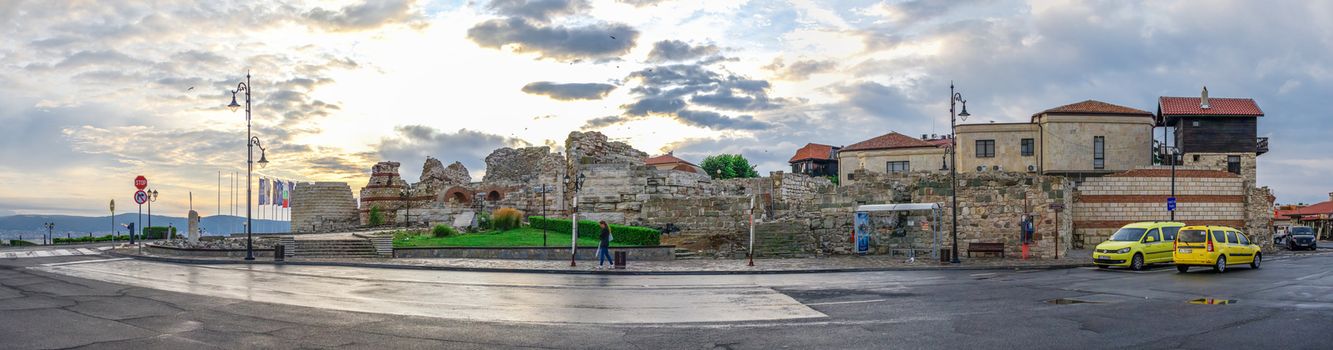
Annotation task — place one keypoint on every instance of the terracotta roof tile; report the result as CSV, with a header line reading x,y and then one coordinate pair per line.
x,y
891,140
1095,107
1315,209
665,159
1219,106
812,151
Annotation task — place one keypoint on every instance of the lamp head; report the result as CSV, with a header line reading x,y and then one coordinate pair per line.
x,y
263,159
233,106
964,114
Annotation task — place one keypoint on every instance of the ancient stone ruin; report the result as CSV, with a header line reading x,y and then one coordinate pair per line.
x,y
323,207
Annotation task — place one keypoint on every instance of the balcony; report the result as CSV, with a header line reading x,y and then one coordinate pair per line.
x,y
1261,146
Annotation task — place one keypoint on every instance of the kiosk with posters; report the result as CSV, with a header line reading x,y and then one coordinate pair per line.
x,y
864,226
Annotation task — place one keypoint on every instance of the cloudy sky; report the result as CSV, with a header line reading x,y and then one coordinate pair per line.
x,y
95,93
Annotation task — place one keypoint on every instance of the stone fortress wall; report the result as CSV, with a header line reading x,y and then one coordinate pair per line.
x,y
323,207
797,215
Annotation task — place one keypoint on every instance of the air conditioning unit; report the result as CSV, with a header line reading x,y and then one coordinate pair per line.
x,y
996,168
981,168
1032,168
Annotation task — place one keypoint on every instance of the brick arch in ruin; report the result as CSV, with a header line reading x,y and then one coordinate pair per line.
x,y
457,195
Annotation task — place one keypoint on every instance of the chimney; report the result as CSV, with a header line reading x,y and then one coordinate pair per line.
x,y
1330,196
1203,99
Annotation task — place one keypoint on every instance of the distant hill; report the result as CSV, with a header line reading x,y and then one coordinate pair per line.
x,y
29,225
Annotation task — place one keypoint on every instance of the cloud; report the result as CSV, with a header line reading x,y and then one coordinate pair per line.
x,y
643,3
571,91
676,50
646,106
602,41
411,144
714,120
370,14
801,69
541,11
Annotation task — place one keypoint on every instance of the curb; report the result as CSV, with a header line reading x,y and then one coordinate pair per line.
x,y
594,272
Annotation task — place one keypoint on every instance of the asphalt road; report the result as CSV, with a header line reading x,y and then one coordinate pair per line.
x,y
1286,305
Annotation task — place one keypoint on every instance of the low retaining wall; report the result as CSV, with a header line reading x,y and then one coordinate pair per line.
x,y
230,253
644,253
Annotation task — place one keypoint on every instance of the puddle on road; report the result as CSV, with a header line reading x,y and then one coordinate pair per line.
x,y
1211,301
1067,301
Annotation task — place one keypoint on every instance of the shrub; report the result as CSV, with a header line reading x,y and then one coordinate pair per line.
x,y
443,231
158,232
505,219
376,217
483,221
629,235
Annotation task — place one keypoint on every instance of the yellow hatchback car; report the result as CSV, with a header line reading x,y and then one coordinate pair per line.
x,y
1137,245
1215,246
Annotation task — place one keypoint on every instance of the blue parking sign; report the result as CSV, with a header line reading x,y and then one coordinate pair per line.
x,y
1171,204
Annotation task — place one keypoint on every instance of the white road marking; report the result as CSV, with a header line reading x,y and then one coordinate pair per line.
x,y
87,251
1317,275
84,262
846,302
62,252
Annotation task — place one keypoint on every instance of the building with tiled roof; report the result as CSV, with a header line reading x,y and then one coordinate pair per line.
x,y
1214,132
1086,138
889,153
1094,107
670,162
815,160
1318,216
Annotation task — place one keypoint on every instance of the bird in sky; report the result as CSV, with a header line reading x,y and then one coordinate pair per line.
x,y
191,88
613,37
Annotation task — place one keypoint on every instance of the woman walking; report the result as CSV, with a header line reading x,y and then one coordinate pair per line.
x,y
604,247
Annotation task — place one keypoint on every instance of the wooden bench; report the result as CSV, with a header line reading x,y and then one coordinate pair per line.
x,y
985,248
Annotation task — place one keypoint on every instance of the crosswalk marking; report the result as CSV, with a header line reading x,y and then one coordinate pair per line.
x,y
54,252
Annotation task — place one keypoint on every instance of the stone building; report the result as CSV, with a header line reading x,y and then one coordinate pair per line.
x,y
1089,138
670,162
1215,132
890,153
323,207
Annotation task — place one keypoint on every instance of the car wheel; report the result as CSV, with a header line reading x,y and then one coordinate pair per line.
x,y
1221,265
1136,263
1183,268
1258,258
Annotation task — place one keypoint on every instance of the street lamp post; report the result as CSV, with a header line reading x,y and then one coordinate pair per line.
x,y
50,226
250,143
954,98
574,238
152,197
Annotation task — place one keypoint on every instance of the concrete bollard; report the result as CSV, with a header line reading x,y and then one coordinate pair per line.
x,y
619,260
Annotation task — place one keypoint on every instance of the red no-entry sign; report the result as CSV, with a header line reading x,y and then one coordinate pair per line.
x,y
141,182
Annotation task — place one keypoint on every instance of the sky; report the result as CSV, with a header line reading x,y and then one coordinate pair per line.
x,y
97,92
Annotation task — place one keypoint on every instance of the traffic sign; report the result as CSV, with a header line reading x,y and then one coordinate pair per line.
x,y
1171,204
140,197
141,182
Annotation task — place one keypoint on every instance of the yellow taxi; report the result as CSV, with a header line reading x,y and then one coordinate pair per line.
x,y
1215,246
1137,245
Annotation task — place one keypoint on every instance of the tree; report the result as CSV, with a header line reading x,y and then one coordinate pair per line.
x,y
376,218
728,166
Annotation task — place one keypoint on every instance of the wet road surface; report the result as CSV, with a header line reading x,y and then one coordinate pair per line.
x,y
123,303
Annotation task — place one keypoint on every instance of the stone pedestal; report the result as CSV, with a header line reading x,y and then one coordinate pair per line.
x,y
193,233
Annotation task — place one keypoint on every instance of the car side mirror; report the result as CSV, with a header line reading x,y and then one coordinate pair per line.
x,y
1149,240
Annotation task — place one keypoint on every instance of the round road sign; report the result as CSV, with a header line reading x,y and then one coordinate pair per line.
x,y
140,197
141,183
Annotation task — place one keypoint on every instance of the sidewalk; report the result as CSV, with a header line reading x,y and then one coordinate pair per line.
x,y
675,267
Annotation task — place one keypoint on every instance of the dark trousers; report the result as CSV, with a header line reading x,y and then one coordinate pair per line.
x,y
604,255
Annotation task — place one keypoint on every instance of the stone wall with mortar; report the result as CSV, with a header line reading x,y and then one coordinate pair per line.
x,y
323,207
385,189
1203,197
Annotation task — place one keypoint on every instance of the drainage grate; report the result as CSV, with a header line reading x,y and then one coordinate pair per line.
x,y
1211,301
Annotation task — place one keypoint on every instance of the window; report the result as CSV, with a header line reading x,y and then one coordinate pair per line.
x,y
1193,236
898,167
1233,164
1155,234
1169,233
1026,146
1196,158
1098,152
1243,240
1231,237
985,148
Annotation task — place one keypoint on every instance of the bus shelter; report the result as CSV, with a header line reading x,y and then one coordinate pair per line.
x,y
900,227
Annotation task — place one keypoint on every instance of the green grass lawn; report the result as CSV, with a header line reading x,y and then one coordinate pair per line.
x,y
520,237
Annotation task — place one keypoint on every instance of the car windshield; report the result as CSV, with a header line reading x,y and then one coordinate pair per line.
x,y
1304,231
1192,236
1128,234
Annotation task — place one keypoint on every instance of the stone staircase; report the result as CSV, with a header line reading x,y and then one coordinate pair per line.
x,y
685,254
335,248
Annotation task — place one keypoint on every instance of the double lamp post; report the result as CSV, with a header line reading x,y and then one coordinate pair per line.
x,y
250,143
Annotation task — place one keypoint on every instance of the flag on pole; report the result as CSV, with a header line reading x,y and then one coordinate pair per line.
x,y
263,191
287,194
277,192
